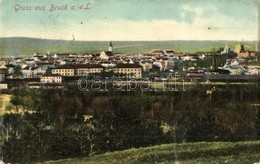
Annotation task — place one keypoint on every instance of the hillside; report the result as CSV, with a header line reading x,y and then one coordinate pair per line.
x,y
27,46
203,152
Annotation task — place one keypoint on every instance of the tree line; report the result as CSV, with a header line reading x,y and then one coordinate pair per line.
x,y
67,123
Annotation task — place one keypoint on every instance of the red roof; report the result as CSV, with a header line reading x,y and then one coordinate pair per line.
x,y
156,51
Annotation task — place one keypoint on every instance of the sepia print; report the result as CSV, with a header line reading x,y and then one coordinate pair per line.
x,y
134,81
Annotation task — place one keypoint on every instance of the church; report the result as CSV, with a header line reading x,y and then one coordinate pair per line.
x,y
104,55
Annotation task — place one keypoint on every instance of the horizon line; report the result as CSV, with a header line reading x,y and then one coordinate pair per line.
x,y
6,37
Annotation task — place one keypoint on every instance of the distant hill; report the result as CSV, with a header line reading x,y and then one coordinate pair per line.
x,y
19,46
190,153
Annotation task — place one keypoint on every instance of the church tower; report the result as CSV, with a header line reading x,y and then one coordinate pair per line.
x,y
242,49
110,47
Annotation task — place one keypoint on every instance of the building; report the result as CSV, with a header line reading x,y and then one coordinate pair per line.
x,y
78,70
105,55
157,52
147,65
253,70
83,70
168,52
51,79
2,75
226,50
239,48
10,68
64,70
236,71
3,86
128,71
45,65
110,47
246,54
29,72
241,52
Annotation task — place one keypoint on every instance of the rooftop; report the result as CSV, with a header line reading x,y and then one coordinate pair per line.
x,y
70,66
128,66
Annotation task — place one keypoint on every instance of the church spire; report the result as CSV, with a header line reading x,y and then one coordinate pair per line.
x,y
110,47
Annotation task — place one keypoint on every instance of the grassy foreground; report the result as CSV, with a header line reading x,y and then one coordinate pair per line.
x,y
202,152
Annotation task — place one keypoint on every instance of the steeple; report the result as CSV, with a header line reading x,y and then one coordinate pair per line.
x,y
110,47
242,48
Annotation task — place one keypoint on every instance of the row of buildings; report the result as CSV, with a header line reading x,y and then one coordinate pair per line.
x,y
53,69
133,70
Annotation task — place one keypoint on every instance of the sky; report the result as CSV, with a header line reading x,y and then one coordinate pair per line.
x,y
103,20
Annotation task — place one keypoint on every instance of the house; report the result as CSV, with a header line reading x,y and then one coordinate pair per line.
x,y
37,57
62,62
55,56
3,67
3,86
253,70
34,85
30,72
246,54
169,52
147,65
2,75
186,58
10,68
195,73
45,64
51,79
128,70
157,52
2,62
236,71
18,82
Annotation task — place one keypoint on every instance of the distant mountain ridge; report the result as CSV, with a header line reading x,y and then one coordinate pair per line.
x,y
23,46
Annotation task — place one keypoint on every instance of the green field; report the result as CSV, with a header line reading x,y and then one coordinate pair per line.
x,y
28,46
202,152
